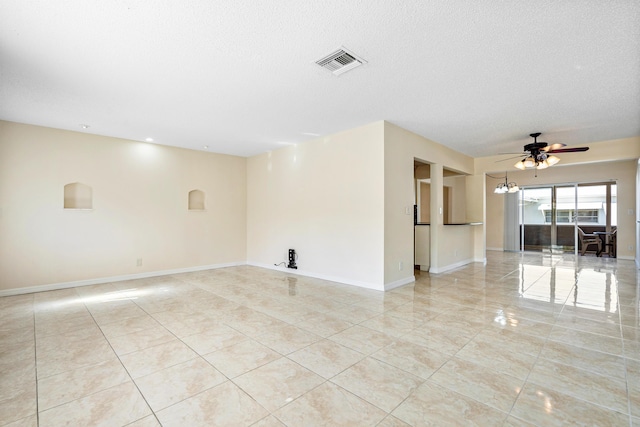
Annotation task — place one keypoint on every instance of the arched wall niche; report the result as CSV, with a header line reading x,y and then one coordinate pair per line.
x,y
196,200
78,196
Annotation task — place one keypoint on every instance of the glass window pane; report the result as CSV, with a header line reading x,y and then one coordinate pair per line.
x,y
592,201
535,208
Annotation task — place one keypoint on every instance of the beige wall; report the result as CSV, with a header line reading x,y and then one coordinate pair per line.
x,y
425,202
495,217
344,202
600,163
476,208
456,245
325,199
140,195
400,149
457,199
623,172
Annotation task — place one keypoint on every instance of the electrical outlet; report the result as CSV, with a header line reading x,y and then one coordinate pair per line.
x,y
400,266
455,252
139,262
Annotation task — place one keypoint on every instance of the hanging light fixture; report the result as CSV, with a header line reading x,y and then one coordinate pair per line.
x,y
540,156
506,186
539,161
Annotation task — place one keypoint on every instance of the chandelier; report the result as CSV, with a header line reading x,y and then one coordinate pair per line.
x,y
506,186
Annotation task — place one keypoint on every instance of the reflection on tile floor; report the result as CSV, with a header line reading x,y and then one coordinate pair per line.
x,y
528,339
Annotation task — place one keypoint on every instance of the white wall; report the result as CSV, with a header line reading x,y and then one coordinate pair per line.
x,y
140,195
325,199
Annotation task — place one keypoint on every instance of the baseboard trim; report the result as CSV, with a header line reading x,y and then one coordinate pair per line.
x,y
398,283
307,273
495,249
100,280
451,266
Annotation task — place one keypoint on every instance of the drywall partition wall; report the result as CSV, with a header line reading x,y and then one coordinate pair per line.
x,y
623,172
476,213
456,202
139,213
401,147
456,246
495,217
325,199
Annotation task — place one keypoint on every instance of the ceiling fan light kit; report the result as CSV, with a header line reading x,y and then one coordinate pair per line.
x,y
540,155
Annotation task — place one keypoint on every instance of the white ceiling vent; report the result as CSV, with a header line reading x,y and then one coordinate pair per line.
x,y
340,61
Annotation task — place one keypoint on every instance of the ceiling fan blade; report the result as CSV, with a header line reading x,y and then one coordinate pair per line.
x,y
555,146
510,158
568,150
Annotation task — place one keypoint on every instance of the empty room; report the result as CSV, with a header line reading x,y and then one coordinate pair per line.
x,y
283,214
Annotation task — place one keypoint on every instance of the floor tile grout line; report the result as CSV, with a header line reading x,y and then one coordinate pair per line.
x,y
325,380
286,404
582,399
626,365
575,397
71,370
458,392
126,370
231,379
537,359
533,365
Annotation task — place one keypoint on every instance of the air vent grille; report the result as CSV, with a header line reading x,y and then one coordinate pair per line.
x,y
340,61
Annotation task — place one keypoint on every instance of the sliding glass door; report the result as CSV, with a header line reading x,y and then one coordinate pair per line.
x,y
550,217
564,214
547,223
535,227
597,214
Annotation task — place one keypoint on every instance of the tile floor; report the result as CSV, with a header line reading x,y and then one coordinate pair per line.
x,y
528,339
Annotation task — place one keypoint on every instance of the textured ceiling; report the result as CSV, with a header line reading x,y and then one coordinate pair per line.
x,y
239,75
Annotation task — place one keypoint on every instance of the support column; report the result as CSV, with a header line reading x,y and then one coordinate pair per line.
x,y
437,219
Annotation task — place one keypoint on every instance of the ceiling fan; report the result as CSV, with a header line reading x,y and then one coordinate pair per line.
x,y
540,155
